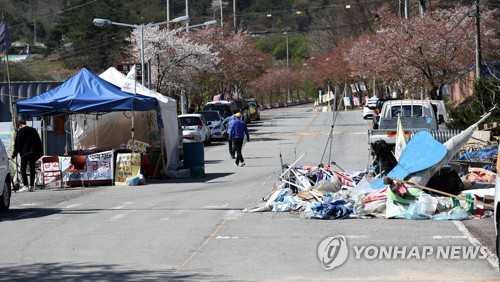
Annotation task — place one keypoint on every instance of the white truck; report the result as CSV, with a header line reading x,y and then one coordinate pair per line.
x,y
415,115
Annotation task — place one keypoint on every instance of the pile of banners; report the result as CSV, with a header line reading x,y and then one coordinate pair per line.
x,y
326,193
322,192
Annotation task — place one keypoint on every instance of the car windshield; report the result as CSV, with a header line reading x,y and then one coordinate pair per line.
x,y
211,116
407,111
221,108
189,121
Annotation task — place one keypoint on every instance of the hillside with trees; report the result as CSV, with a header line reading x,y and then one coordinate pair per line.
x,y
275,51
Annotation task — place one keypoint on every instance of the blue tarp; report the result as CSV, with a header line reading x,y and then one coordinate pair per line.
x,y
84,92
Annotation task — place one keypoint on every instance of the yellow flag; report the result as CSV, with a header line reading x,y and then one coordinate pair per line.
x,y
400,140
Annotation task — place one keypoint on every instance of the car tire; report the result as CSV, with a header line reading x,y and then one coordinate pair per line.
x,y
5,197
208,141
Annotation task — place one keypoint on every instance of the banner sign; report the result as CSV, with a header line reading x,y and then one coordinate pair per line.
x,y
99,167
127,165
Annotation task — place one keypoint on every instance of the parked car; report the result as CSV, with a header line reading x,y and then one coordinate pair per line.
x,y
253,107
369,107
214,122
244,110
441,113
378,107
5,180
195,128
225,108
180,140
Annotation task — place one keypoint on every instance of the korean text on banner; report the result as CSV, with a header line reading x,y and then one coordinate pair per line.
x,y
127,165
100,166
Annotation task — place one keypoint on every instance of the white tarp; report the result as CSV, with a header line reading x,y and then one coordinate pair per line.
x,y
113,129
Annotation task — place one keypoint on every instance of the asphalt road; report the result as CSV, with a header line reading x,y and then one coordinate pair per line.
x,y
194,229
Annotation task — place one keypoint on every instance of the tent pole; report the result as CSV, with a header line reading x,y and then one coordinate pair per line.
x,y
44,130
162,154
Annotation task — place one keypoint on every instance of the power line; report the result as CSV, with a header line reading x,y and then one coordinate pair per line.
x,y
54,14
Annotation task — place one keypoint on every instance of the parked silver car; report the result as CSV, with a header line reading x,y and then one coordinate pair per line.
x,y
214,121
195,128
5,180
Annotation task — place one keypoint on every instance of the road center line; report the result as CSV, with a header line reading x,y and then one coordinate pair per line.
x,y
448,237
202,245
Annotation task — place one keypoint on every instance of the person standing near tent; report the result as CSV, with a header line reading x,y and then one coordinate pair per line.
x,y
237,132
29,145
229,121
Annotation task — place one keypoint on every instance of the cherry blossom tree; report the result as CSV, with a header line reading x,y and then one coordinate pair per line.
x,y
239,62
176,58
270,87
421,52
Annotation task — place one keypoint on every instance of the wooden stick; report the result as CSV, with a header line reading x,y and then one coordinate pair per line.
x,y
387,180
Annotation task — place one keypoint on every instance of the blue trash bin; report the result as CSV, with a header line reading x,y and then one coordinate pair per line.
x,y
194,154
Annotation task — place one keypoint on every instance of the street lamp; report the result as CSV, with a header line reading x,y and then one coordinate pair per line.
x,y
103,22
212,22
287,68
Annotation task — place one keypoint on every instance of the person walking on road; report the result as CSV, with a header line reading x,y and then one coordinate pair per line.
x,y
229,121
238,131
29,145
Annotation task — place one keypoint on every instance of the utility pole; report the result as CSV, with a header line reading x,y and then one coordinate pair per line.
x,y
422,7
187,15
289,98
478,42
407,9
234,15
168,14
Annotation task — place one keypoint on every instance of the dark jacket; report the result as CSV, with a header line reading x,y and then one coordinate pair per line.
x,y
27,142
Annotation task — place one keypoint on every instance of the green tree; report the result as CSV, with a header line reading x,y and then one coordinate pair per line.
x,y
486,94
81,44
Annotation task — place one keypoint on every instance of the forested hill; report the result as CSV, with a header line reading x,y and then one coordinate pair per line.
x,y
32,20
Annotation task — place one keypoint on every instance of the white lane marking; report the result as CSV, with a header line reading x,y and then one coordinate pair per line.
x,y
215,207
357,236
72,206
448,237
233,215
118,216
492,258
263,183
226,237
121,206
28,204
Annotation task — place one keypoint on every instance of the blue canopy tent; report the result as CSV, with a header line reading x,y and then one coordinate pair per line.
x,y
84,92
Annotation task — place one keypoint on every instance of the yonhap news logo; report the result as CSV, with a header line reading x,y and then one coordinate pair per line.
x,y
333,252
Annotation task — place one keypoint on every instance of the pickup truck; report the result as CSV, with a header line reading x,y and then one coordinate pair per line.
x,y
415,115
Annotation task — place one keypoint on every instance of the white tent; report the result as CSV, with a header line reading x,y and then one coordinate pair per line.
x,y
113,129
